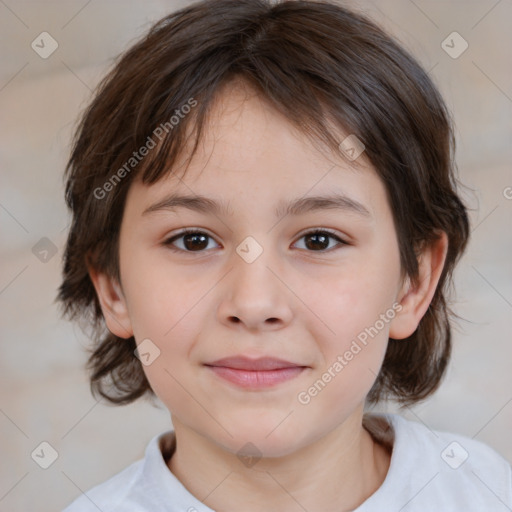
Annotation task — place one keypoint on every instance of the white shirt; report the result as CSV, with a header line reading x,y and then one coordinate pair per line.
x,y
430,471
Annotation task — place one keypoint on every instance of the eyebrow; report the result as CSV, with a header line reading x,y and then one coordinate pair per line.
x,y
297,206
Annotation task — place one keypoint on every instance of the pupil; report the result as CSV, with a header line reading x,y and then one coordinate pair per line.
x,y
318,245
195,237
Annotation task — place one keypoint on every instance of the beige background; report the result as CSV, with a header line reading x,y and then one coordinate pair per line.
x,y
45,395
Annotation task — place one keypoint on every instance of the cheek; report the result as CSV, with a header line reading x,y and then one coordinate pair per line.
x,y
352,355
161,296
356,308
164,307
164,310
350,300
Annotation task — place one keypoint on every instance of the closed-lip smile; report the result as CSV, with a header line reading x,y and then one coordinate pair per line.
x,y
257,373
259,364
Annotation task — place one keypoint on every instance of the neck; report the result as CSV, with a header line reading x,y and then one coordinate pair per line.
x,y
335,473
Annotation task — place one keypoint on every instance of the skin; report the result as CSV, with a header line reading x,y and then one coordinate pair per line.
x,y
295,301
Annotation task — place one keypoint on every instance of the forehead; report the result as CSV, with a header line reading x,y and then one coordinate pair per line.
x,y
250,154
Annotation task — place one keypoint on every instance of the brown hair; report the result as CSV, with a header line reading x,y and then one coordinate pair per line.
x,y
315,62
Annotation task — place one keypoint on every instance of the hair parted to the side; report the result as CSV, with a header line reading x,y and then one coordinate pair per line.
x,y
317,63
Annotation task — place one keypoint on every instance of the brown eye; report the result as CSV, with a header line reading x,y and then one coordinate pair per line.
x,y
319,241
198,241
191,241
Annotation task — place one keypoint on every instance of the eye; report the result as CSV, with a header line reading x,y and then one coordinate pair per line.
x,y
193,241
318,240
197,241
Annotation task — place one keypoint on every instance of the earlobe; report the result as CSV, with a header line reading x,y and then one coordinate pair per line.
x,y
113,303
417,296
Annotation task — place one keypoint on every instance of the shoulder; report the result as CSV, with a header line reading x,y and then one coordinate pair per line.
x,y
126,490
431,468
454,450
109,494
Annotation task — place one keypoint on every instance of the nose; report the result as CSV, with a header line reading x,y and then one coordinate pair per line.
x,y
255,295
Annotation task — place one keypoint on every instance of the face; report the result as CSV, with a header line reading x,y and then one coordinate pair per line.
x,y
315,286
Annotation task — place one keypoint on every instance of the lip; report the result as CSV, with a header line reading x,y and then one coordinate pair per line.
x,y
258,364
264,372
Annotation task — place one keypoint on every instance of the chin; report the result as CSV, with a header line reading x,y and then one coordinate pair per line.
x,y
259,438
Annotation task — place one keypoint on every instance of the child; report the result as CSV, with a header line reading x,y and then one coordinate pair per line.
x,y
310,158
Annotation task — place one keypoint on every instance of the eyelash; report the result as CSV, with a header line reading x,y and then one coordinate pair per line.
x,y
169,242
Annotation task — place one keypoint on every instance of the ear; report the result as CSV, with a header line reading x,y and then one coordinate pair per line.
x,y
113,303
415,298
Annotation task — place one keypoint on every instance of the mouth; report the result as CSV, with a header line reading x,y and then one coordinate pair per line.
x,y
264,372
